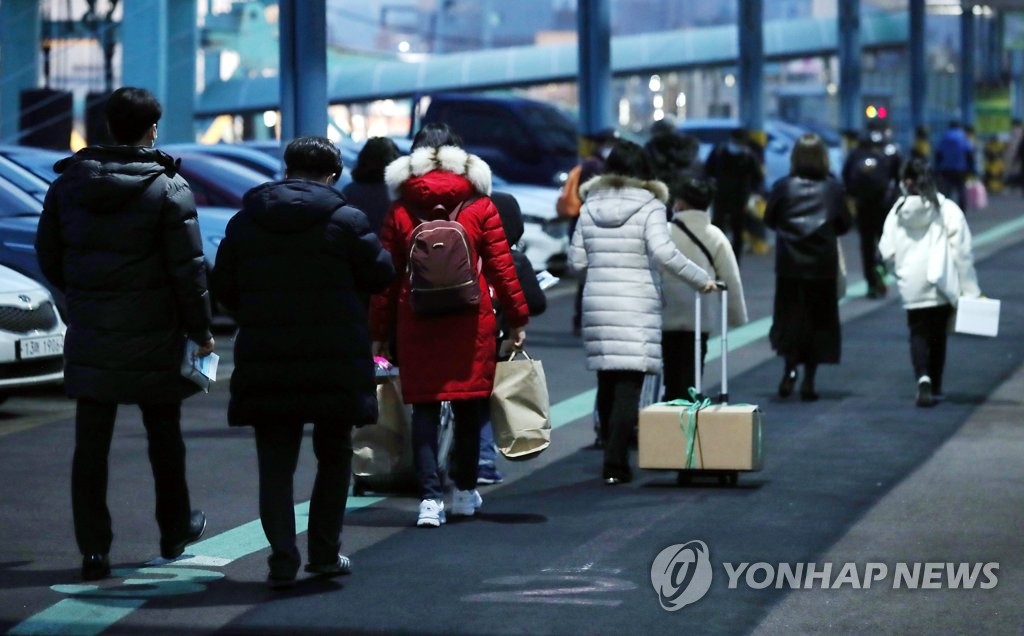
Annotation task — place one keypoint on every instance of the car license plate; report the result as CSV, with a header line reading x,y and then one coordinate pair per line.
x,y
42,347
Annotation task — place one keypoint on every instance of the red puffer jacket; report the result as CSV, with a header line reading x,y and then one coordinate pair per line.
x,y
449,357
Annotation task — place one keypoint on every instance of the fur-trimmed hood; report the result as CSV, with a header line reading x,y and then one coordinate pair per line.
x,y
618,182
444,175
611,199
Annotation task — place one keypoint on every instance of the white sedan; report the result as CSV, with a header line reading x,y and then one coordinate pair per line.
x,y
31,335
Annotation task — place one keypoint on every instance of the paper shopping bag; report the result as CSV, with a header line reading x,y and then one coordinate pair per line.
x,y
384,448
977,316
520,410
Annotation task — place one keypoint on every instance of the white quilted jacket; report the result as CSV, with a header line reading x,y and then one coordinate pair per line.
x,y
621,238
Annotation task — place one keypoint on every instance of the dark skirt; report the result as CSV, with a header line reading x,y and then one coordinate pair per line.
x,y
805,321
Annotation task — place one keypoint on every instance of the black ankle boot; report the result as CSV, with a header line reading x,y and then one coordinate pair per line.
x,y
788,383
95,567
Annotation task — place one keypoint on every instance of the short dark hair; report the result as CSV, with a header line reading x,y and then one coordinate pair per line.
x,y
698,191
435,135
740,135
312,158
375,155
809,158
628,159
130,112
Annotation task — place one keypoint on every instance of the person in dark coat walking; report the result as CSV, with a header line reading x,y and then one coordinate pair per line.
x,y
296,268
808,212
119,237
737,171
368,192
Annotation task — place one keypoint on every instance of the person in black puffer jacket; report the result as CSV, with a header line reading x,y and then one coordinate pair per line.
x,y
119,236
296,268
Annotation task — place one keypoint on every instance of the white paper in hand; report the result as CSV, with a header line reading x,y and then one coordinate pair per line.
x,y
202,371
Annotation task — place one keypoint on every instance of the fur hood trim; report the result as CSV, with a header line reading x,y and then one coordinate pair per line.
x,y
617,182
447,158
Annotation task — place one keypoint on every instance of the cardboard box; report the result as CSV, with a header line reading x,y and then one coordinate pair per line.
x,y
728,437
977,316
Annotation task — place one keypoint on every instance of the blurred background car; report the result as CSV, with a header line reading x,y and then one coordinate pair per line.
x,y
19,211
31,335
545,238
267,164
781,137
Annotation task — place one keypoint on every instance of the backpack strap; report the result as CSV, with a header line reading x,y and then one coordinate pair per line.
x,y
693,237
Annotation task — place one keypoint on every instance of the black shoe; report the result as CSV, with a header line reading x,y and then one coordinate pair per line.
x,y
276,582
924,393
613,477
341,565
95,567
807,392
788,383
196,528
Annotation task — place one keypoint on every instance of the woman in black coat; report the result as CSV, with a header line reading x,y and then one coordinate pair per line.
x,y
368,192
808,212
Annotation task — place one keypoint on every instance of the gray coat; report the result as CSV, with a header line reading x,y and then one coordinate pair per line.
x,y
621,237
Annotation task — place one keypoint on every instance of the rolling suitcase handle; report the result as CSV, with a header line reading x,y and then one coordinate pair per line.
x,y
723,396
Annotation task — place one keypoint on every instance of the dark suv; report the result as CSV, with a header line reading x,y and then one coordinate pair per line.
x,y
523,140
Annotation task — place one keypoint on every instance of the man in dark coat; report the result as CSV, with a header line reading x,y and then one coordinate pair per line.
x,y
119,236
737,172
296,268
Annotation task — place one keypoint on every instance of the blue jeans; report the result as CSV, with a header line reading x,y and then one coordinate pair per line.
x,y
426,418
487,451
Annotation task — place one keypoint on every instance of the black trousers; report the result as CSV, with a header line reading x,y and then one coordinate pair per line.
x,y
677,362
730,216
618,408
870,220
928,333
94,429
277,448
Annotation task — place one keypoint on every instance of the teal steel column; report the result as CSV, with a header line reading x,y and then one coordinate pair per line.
x,y
1017,84
20,28
159,45
967,63
595,65
918,74
850,105
751,64
303,28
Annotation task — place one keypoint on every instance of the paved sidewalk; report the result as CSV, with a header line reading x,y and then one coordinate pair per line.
x,y
965,505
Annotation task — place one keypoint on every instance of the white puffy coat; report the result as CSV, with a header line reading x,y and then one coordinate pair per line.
x,y
678,314
911,235
621,237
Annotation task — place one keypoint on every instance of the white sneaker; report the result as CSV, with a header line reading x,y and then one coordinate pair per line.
x,y
466,502
431,513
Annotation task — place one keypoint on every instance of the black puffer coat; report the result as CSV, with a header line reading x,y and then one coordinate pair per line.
x,y
119,236
296,268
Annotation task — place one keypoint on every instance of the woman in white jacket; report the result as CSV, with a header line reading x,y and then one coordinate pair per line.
x,y
622,232
694,235
912,237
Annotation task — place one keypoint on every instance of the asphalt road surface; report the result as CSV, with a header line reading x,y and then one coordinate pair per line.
x,y
870,515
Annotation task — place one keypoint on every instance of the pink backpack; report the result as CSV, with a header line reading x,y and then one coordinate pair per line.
x,y
443,277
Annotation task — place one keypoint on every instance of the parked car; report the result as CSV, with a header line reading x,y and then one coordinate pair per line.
x,y
524,140
38,161
31,335
782,136
266,164
23,179
19,213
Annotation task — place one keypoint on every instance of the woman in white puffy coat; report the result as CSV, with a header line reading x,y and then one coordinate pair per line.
x,y
621,235
912,237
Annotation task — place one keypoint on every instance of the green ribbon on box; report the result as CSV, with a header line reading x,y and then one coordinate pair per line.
x,y
689,423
